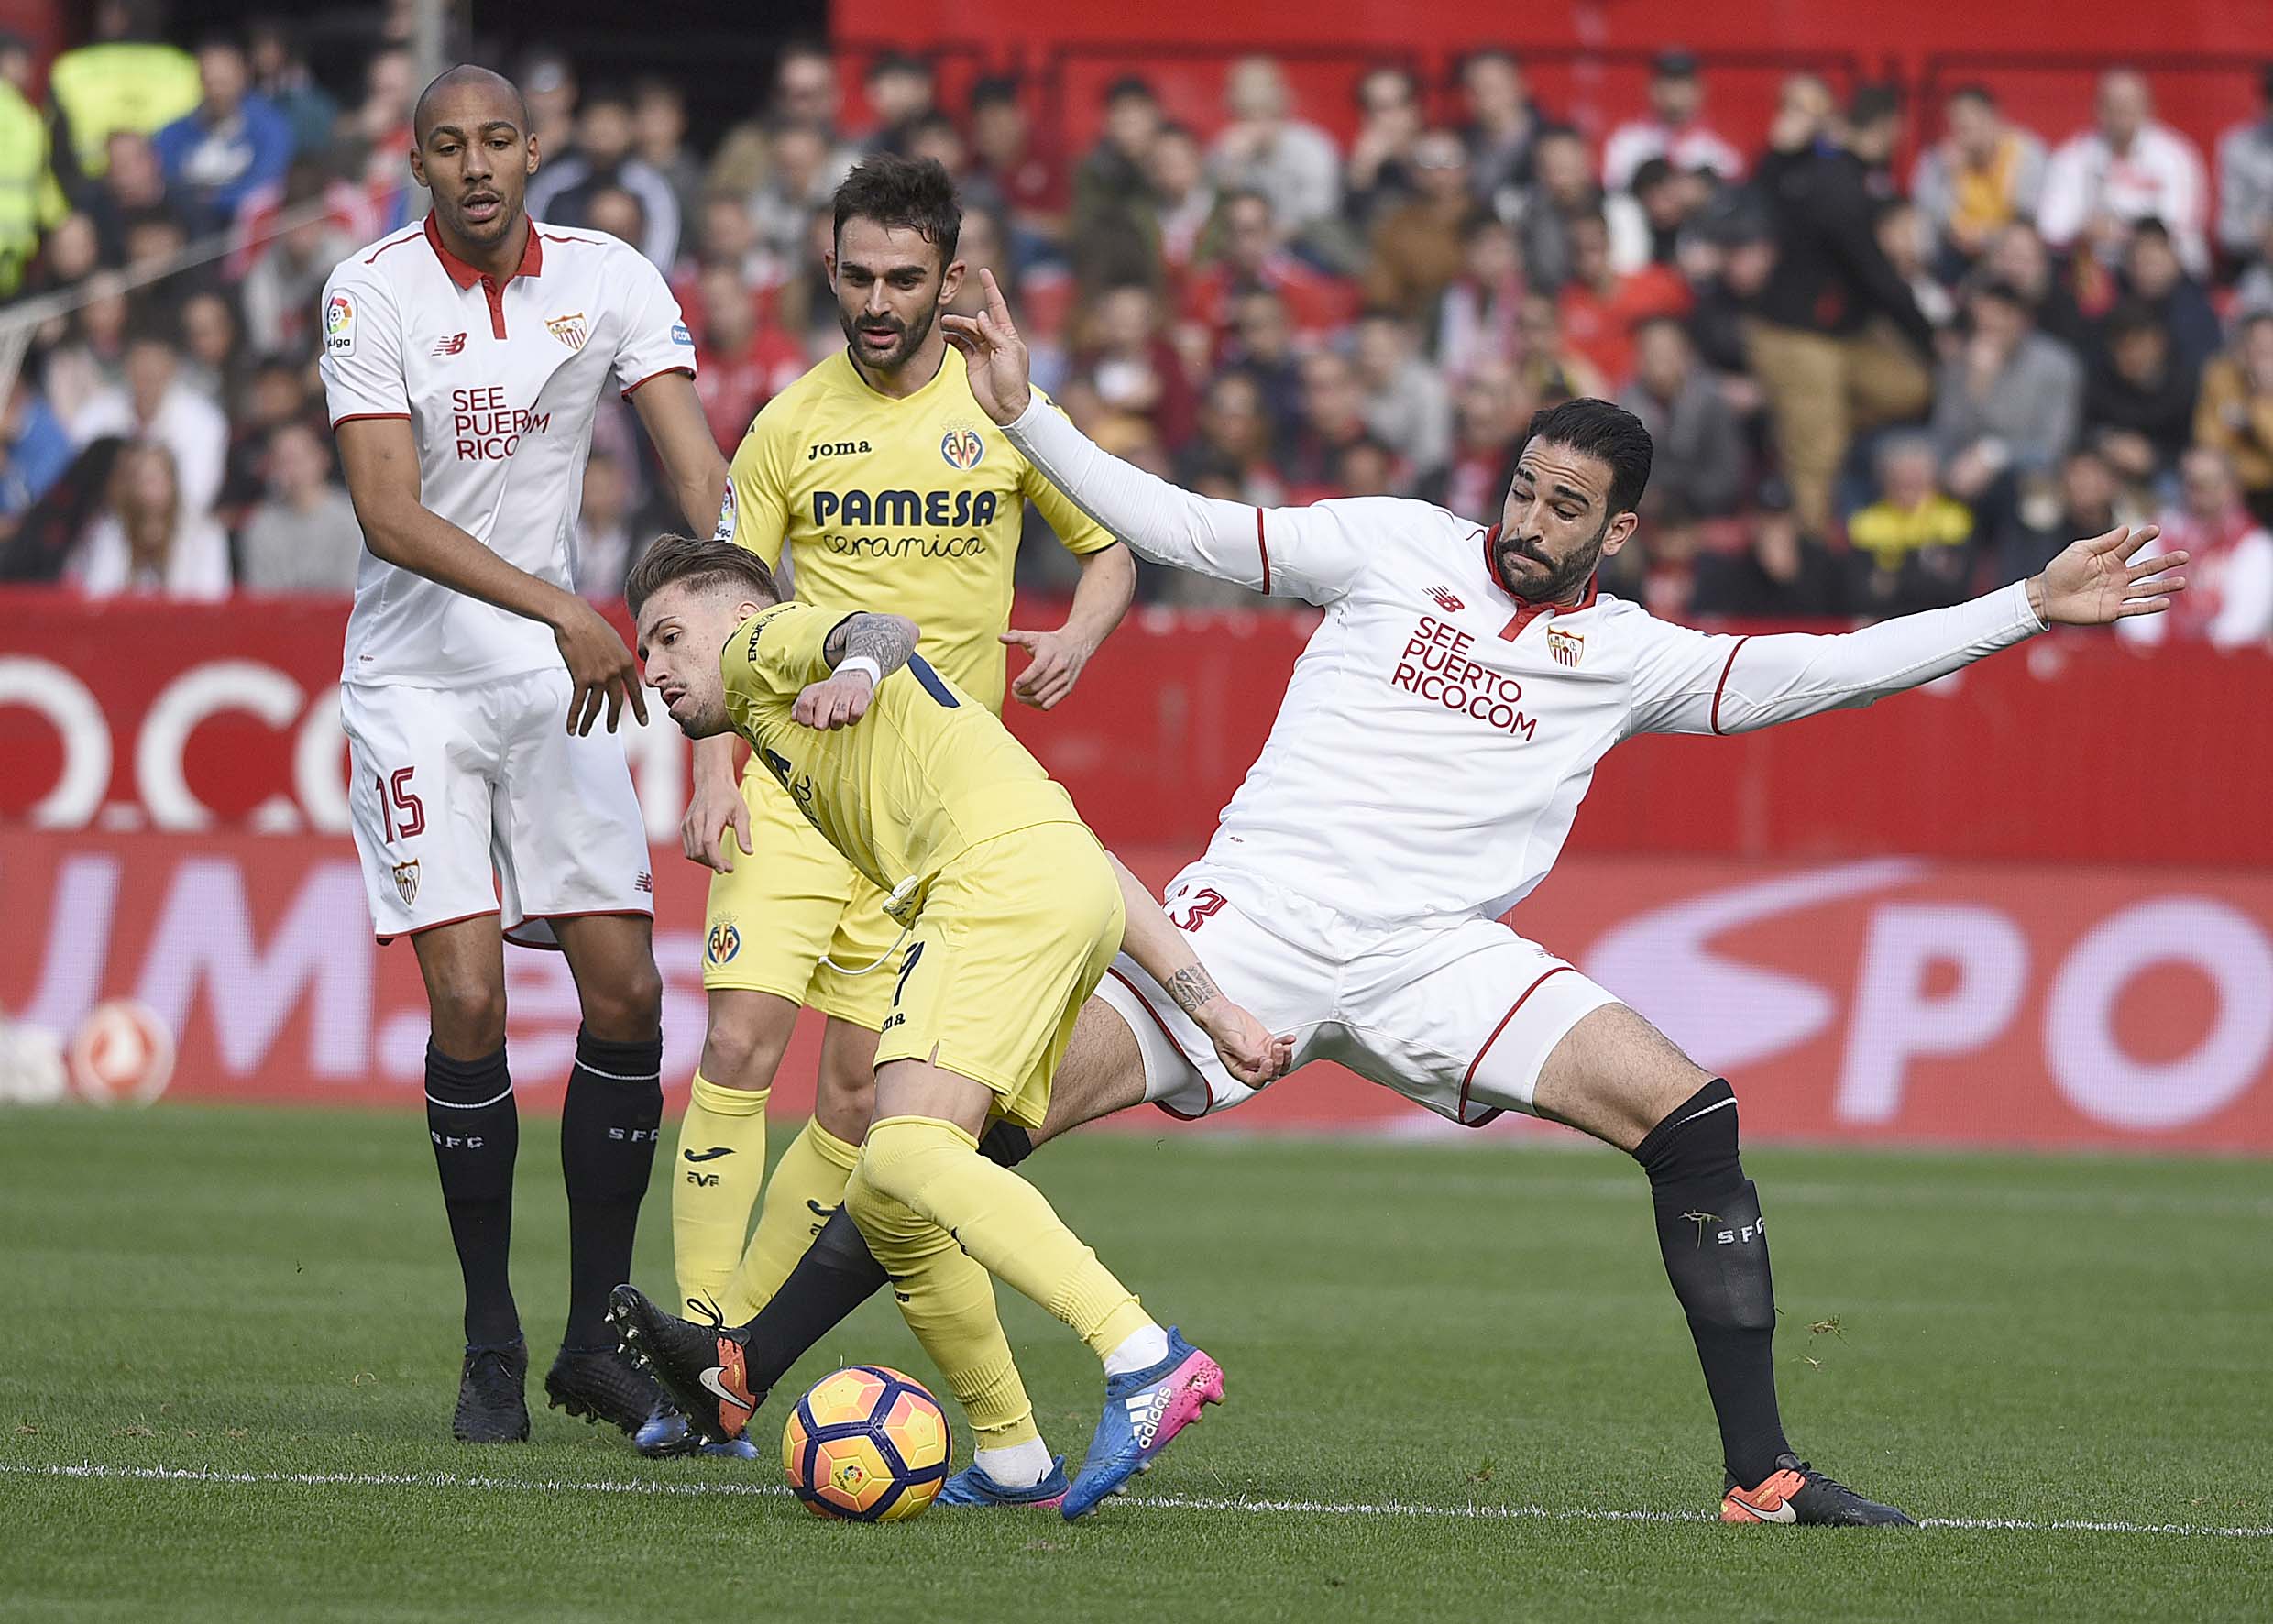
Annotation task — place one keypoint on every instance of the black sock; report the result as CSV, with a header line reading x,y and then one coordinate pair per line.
x,y
1716,1250
608,1125
477,1132
836,1275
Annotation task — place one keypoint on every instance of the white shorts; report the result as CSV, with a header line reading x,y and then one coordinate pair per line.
x,y
1457,1017
478,800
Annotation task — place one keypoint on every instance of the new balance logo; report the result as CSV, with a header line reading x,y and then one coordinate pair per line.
x,y
1445,600
712,1154
452,346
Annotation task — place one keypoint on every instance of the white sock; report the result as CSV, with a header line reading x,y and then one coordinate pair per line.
x,y
1019,1465
1140,1351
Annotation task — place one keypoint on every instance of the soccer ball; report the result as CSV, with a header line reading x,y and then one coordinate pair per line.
x,y
868,1445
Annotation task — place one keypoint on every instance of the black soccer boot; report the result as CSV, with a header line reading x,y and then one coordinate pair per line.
x,y
1796,1494
601,1384
700,1367
491,1408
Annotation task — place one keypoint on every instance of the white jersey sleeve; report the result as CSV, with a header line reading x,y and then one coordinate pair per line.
x,y
1688,681
361,363
656,335
1315,553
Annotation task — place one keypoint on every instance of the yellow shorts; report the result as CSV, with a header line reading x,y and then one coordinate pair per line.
x,y
1014,935
792,900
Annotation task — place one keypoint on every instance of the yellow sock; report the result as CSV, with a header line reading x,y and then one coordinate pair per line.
x,y
806,1185
947,1300
715,1179
919,1167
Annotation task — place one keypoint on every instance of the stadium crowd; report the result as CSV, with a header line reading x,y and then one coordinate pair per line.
x,y
1873,389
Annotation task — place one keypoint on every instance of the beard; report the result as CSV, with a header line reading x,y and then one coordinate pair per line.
x,y
910,338
1562,580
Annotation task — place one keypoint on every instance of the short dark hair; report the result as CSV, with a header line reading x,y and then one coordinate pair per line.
x,y
994,90
1600,429
2130,316
1130,85
672,559
914,193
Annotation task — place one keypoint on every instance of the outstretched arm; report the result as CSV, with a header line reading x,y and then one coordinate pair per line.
x,y
861,651
1690,683
1249,1051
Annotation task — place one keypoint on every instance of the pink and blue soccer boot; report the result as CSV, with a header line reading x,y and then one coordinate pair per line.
x,y
972,1486
1144,1410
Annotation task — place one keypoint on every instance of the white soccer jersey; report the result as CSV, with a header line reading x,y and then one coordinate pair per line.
x,y
1438,734
500,383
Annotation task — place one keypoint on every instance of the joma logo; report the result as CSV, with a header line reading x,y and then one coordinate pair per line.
x,y
822,448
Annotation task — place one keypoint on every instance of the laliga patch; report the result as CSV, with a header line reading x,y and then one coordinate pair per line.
x,y
339,325
679,334
1567,647
724,531
962,447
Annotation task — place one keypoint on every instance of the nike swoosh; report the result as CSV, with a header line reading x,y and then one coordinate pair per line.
x,y
717,1388
712,1154
1783,1512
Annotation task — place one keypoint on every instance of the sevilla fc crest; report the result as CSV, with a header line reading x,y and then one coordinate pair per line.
x,y
569,330
406,881
962,448
1567,647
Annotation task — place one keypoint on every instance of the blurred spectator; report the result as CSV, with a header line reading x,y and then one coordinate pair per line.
x,y
31,200
156,237
1480,317
35,450
562,192
1839,345
133,186
1900,228
380,200
1647,221
2138,405
2126,168
1562,190
214,360
1983,174
68,256
740,362
1183,198
614,211
1600,308
1501,124
1113,236
806,87
90,359
604,545
1126,360
147,538
285,286
232,152
1254,254
2017,256
1416,247
805,92
1233,443
1368,467
2153,275
280,72
2245,179
802,175
1390,118
1266,149
1698,456
1332,419
1728,259
2087,501
1780,573
2007,403
1913,548
303,537
1261,344
1488,412
1031,182
157,405
901,93
2233,414
934,135
1551,369
2228,600
1674,130
548,83
277,394
126,77
659,137
1406,404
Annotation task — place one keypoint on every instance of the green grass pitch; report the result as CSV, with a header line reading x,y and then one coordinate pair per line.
x,y
1421,1342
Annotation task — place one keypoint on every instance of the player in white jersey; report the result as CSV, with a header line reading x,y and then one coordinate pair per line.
x,y
463,359
1434,742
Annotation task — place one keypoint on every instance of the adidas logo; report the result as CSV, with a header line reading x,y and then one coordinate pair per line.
x,y
1146,1412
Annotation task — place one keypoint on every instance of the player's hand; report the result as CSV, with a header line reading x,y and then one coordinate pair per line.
x,y
1055,663
2094,582
993,353
838,702
717,807
601,668
1250,1052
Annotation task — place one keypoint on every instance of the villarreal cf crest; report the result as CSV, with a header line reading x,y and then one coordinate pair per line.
x,y
724,943
962,447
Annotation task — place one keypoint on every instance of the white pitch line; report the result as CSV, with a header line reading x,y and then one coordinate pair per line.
x,y
703,1489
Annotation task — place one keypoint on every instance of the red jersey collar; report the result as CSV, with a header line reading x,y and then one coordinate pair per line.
x,y
1527,611
465,276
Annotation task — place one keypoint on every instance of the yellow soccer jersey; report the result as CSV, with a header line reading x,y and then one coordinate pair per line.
x,y
924,773
910,507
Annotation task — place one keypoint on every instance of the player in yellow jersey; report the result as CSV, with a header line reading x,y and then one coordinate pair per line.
x,y
888,489
1012,912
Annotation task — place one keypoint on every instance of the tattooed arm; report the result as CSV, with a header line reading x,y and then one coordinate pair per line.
x,y
1163,952
861,652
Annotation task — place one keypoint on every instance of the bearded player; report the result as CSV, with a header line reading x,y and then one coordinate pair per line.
x,y
1425,766
889,489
